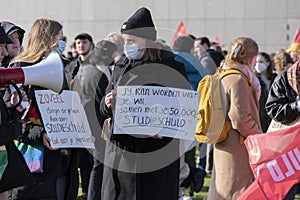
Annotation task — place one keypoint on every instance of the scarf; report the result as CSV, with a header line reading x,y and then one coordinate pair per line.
x,y
293,76
253,80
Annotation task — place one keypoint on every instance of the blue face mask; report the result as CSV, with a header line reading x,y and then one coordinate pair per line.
x,y
132,52
61,45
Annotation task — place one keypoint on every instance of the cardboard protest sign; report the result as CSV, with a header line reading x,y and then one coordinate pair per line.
x,y
64,119
150,110
275,160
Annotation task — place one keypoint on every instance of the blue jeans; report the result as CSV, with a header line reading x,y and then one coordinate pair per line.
x,y
202,155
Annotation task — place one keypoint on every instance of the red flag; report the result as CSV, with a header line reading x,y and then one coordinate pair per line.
x,y
275,160
217,41
181,30
297,37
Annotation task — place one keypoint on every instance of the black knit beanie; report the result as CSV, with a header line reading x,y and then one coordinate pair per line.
x,y
140,24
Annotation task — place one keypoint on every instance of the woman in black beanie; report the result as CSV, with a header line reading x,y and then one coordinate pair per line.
x,y
141,167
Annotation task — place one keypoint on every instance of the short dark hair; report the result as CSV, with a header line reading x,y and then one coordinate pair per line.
x,y
83,36
204,40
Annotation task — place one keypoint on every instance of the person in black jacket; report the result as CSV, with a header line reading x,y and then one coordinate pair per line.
x,y
283,103
264,72
16,172
133,167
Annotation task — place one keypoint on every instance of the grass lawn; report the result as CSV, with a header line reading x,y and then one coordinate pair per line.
x,y
203,193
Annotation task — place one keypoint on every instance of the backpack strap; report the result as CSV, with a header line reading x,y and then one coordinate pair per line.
x,y
235,71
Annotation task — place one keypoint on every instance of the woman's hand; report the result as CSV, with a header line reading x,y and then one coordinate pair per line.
x,y
156,136
46,142
108,98
15,99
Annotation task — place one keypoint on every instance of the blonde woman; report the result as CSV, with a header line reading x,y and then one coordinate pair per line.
x,y
231,172
44,36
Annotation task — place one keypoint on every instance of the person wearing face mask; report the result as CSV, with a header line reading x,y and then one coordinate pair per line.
x,y
263,70
265,67
141,167
231,170
61,45
16,34
60,48
57,181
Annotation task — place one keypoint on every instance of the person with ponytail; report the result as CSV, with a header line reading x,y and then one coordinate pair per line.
x,y
231,172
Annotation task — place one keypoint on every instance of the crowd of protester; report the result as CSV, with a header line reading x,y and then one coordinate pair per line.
x,y
135,56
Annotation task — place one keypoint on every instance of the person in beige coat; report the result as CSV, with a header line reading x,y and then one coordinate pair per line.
x,y
231,172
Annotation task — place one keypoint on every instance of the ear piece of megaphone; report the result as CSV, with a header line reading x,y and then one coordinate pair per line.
x,y
48,74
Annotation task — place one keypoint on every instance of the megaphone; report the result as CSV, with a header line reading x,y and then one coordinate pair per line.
x,y
48,74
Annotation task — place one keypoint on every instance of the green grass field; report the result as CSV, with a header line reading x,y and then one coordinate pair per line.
x,y
203,193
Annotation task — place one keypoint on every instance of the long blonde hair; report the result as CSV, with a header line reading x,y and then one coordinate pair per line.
x,y
242,51
41,38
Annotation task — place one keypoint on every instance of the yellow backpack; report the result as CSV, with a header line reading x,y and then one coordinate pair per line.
x,y
212,126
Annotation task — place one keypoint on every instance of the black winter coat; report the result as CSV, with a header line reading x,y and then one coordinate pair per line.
x,y
281,102
16,172
127,177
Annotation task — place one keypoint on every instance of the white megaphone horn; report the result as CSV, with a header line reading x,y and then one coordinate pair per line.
x,y
48,74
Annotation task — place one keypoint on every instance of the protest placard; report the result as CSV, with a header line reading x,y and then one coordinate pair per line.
x,y
64,119
150,110
275,126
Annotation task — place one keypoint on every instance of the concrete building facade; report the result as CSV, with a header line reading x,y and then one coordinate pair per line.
x,y
272,23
